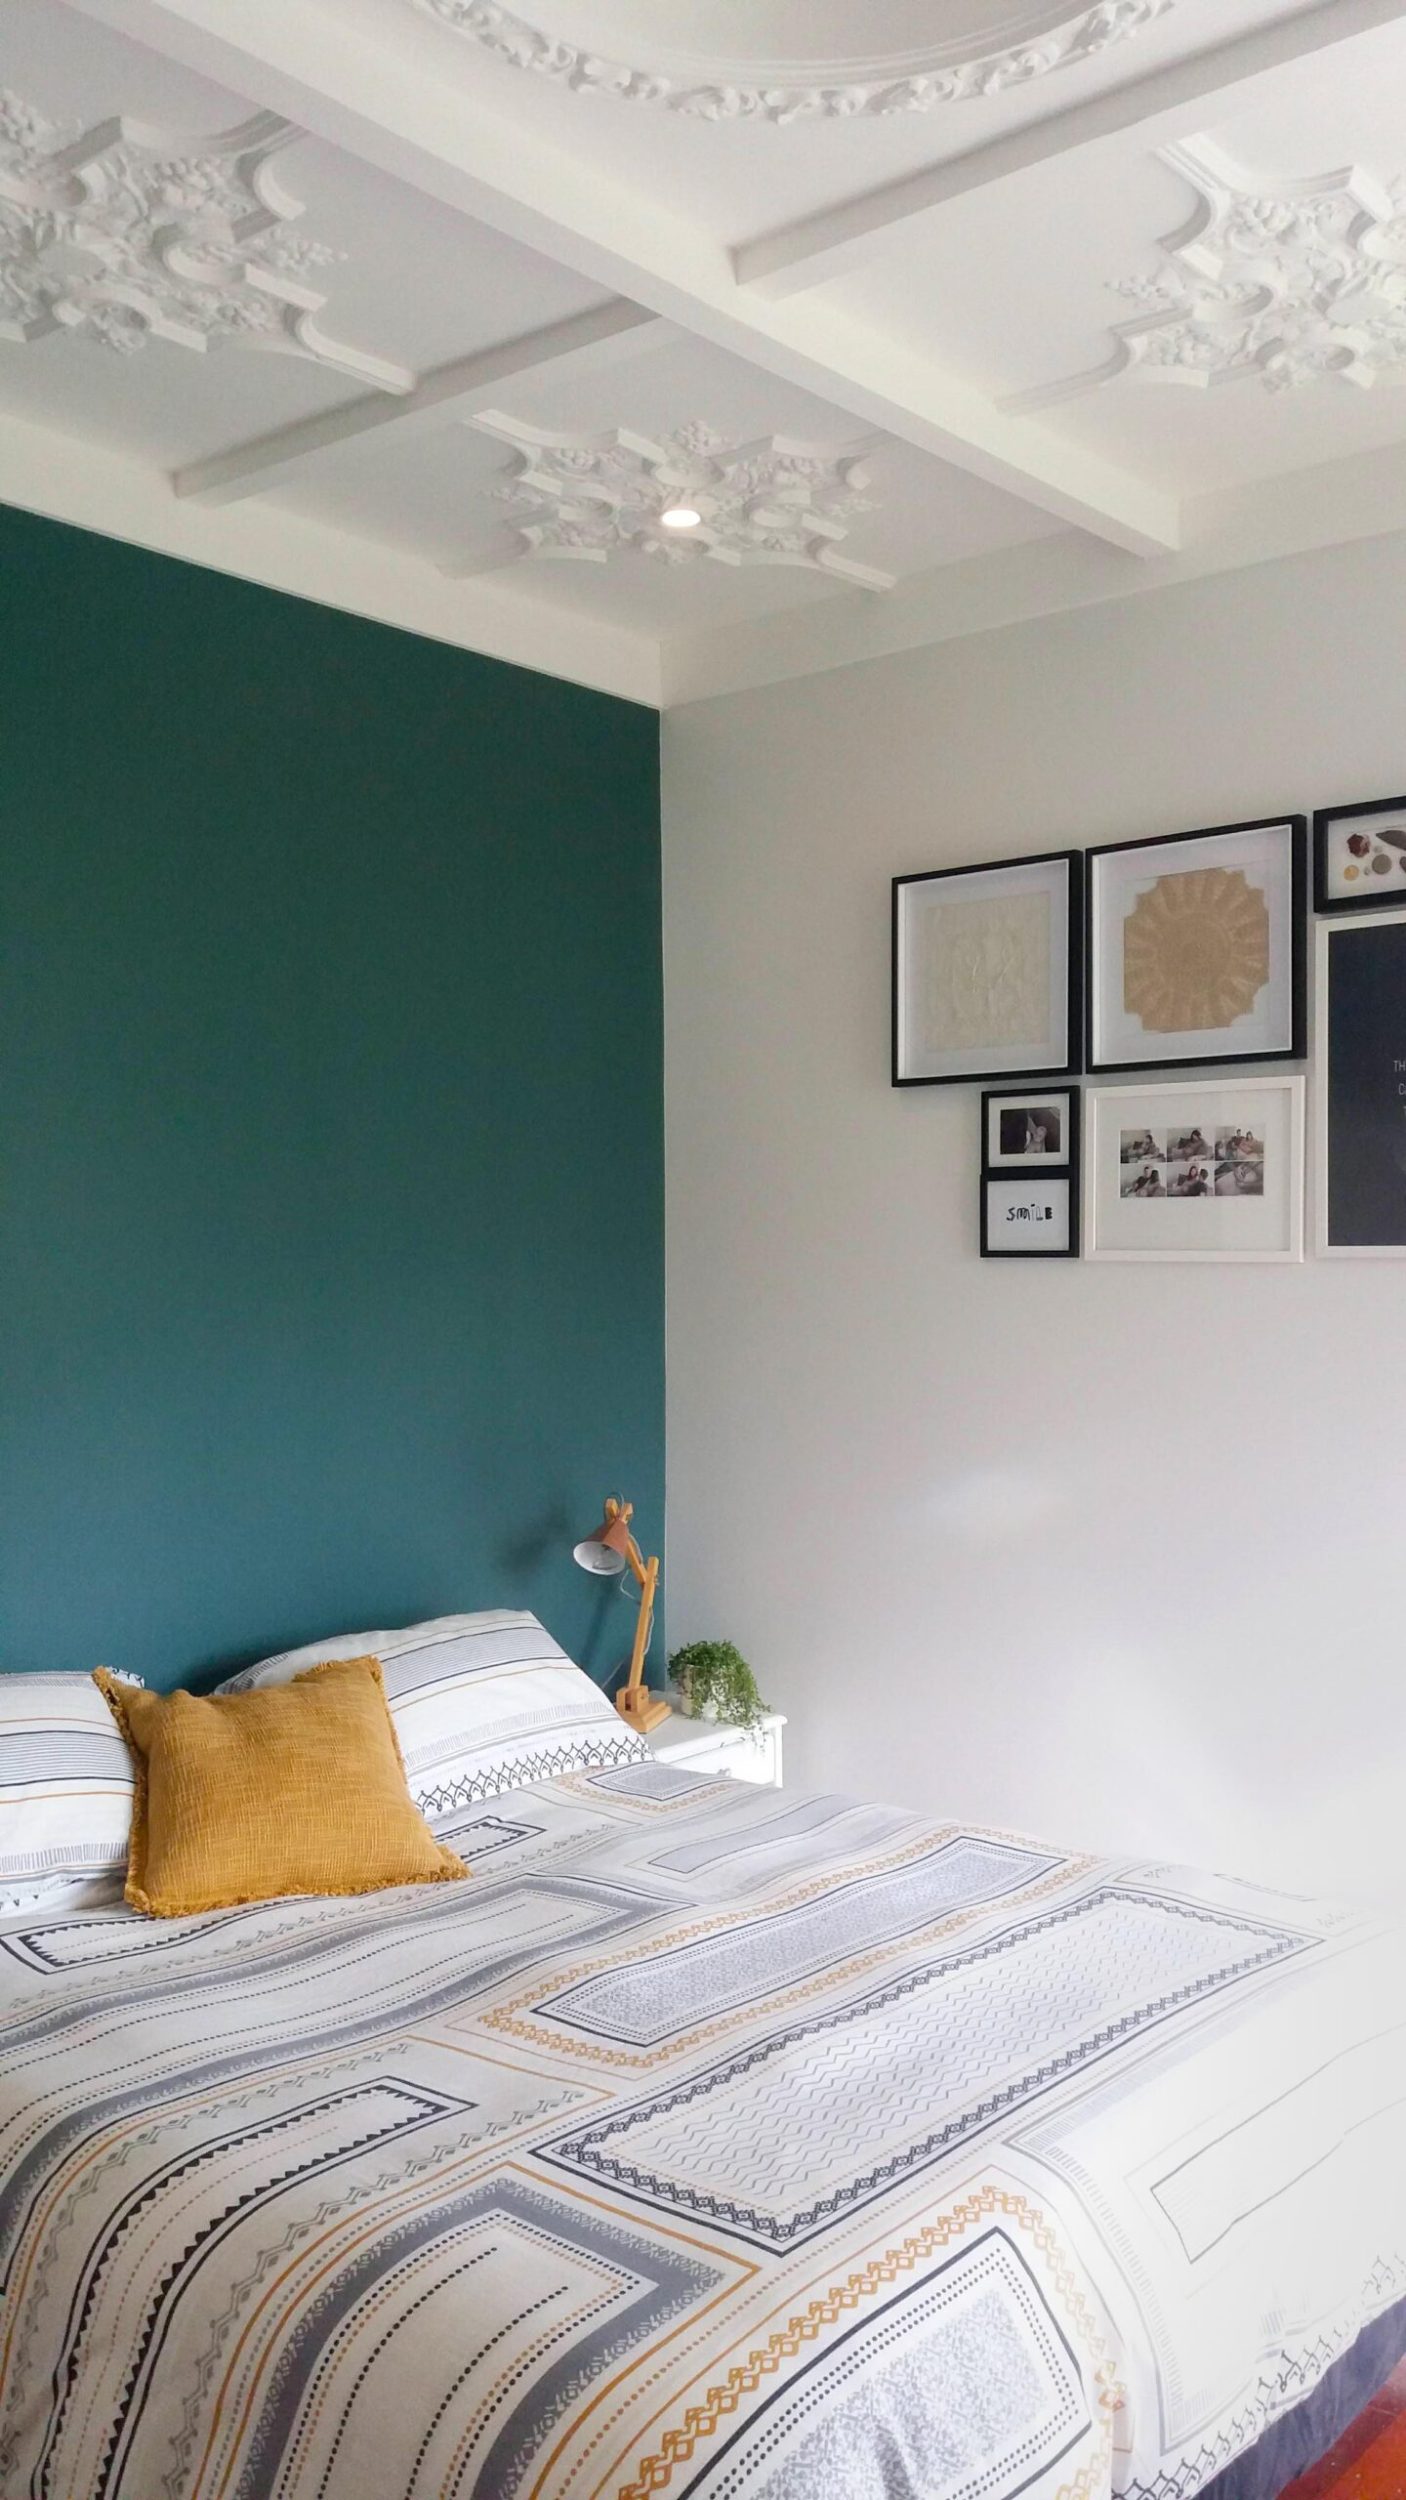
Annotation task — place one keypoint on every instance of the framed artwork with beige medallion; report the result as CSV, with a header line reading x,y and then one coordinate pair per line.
x,y
1196,947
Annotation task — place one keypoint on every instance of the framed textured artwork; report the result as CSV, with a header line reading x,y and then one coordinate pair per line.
x,y
1204,1169
1196,947
1361,1087
1359,856
1029,1132
1023,1217
987,970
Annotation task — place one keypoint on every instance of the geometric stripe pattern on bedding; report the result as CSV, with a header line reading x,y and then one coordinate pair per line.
x,y
696,2147
480,1703
65,1785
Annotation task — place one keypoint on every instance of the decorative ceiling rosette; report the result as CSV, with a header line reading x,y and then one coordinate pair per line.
x,y
1283,283
590,497
121,234
799,60
1195,951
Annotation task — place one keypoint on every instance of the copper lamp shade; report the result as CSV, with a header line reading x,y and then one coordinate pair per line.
x,y
607,1549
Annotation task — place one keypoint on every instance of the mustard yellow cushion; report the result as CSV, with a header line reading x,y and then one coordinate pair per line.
x,y
297,1787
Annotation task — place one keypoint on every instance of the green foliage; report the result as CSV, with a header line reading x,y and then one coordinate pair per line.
x,y
714,1675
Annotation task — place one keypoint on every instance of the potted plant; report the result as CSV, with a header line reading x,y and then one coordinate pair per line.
x,y
714,1681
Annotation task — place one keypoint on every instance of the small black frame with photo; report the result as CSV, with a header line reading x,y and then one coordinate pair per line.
x,y
1030,1198
1359,856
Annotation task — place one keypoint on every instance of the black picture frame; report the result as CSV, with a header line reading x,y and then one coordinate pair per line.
x,y
1373,898
1064,1169
999,1095
1074,1017
1360,1123
1060,1180
1296,826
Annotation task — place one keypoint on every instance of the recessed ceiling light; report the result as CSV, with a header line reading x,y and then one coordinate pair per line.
x,y
680,516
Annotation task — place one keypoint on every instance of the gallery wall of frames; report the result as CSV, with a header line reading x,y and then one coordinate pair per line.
x,y
1151,964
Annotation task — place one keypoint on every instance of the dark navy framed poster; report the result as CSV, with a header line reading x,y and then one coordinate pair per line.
x,y
1361,1049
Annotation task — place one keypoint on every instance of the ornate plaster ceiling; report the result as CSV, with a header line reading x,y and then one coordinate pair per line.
x,y
497,307
1284,283
123,234
783,61
773,501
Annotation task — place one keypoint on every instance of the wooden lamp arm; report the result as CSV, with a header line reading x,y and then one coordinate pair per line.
x,y
639,1566
635,1703
644,1622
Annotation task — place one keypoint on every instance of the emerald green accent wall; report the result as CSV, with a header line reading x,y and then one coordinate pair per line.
x,y
331,1203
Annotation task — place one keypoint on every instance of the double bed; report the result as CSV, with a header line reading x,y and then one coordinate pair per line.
x,y
710,2142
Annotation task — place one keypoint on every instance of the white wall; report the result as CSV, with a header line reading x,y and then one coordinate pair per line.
x,y
1110,1553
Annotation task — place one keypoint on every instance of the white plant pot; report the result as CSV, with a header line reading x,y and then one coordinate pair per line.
x,y
706,1711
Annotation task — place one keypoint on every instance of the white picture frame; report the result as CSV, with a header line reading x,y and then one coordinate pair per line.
x,y
1222,1215
1350,927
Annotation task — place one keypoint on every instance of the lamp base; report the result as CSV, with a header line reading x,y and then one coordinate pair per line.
x,y
641,1708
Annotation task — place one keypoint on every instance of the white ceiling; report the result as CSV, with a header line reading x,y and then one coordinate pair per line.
x,y
937,311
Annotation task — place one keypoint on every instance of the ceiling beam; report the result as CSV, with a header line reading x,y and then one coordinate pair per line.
x,y
584,342
835,240
390,104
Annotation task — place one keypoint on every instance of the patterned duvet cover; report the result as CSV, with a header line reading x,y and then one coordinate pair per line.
x,y
711,2142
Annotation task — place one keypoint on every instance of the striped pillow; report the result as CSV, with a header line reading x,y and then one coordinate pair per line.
x,y
480,1703
65,1786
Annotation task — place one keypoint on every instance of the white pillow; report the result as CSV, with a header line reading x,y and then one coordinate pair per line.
x,y
65,1787
481,1703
